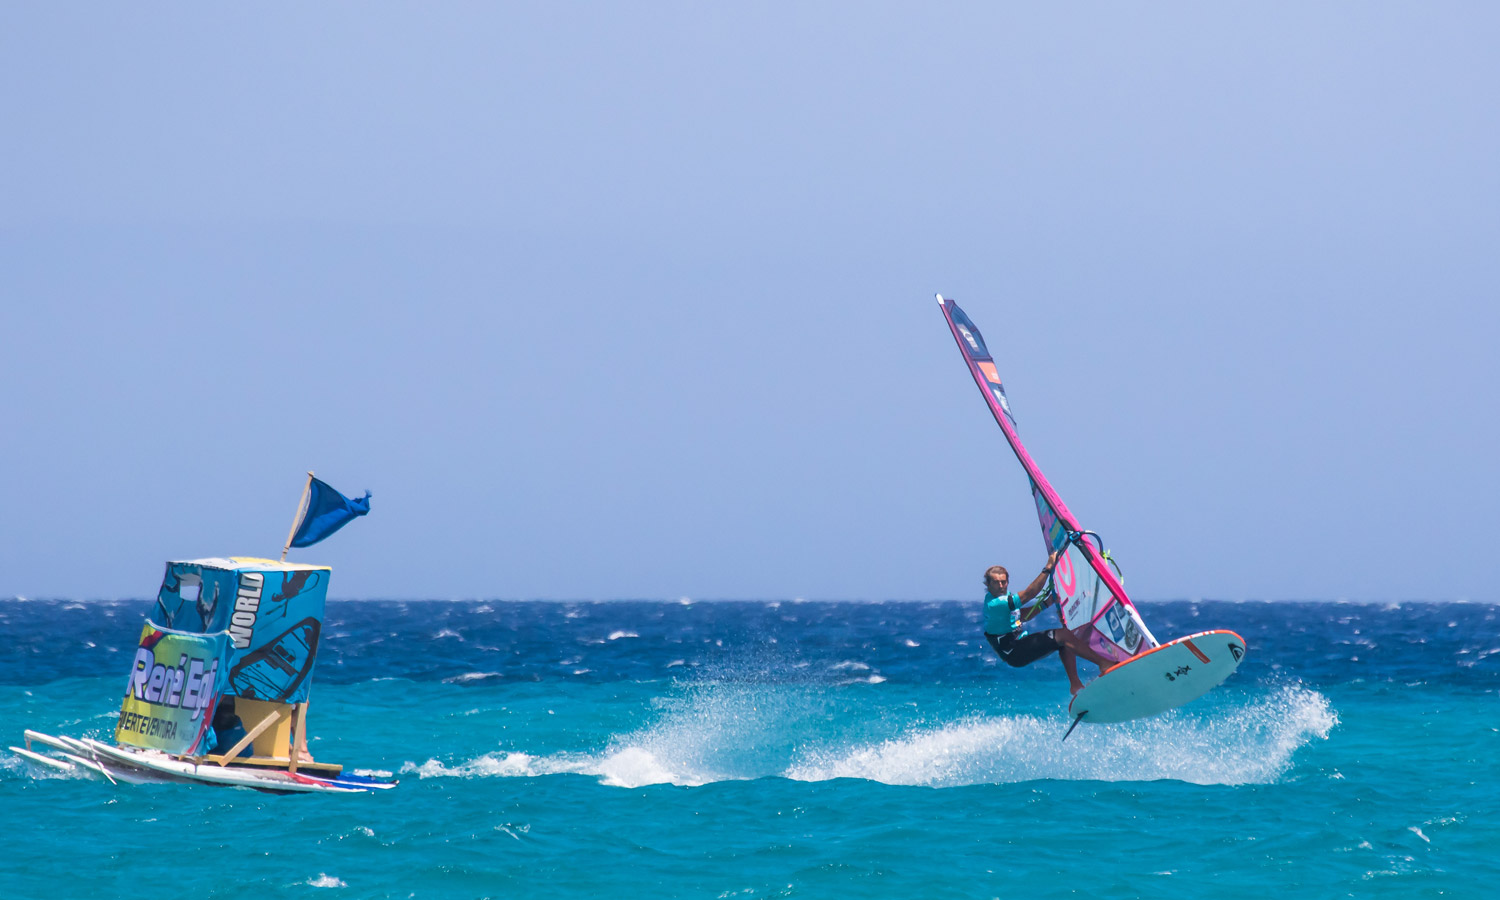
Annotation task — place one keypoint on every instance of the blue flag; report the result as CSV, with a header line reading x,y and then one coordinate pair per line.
x,y
327,512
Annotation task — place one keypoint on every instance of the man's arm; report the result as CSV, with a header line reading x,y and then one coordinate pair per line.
x,y
1031,590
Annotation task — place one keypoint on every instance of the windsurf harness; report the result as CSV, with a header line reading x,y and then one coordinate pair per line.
x,y
1091,601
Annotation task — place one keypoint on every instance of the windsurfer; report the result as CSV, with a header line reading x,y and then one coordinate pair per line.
x,y
1004,613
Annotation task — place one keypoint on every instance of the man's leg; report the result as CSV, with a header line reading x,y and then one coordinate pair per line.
x,y
301,753
995,645
1070,665
1078,645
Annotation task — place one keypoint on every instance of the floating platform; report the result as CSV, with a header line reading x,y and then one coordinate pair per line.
x,y
135,766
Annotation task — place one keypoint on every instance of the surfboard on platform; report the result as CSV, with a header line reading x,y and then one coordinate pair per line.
x,y
137,766
1088,587
46,762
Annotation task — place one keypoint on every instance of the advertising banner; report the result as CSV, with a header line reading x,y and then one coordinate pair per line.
x,y
273,612
175,683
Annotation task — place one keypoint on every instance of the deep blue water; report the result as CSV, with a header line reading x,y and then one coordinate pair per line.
x,y
754,749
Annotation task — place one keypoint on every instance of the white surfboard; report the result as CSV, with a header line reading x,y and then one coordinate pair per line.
x,y
174,769
1162,678
137,766
46,762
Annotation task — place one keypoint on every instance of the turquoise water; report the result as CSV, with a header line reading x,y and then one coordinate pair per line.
x,y
858,755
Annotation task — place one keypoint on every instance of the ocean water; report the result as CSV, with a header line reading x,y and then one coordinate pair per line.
x,y
788,749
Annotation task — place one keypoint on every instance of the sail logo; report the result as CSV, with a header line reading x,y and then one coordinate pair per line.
x,y
970,338
246,608
1122,628
1116,628
188,685
1065,575
1001,399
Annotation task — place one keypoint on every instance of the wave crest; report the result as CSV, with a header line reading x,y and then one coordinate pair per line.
x,y
1252,744
723,735
627,767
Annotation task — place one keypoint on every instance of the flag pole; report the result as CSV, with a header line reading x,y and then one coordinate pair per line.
x,y
301,511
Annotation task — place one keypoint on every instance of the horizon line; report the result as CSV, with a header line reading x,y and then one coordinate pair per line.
x,y
688,601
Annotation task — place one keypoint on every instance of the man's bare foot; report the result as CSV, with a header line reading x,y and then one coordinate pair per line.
x,y
1075,688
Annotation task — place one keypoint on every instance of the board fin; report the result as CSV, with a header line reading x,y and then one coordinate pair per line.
x,y
1075,724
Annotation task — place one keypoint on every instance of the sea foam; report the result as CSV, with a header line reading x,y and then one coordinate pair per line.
x,y
724,733
1241,745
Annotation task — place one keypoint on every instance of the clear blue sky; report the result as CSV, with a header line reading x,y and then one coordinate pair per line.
x,y
635,300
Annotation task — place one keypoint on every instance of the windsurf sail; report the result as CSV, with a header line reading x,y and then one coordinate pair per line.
x,y
1091,600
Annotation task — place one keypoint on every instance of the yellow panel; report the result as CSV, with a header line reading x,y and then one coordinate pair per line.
x,y
274,741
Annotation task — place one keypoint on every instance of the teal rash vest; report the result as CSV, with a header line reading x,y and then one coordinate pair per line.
x,y
1002,615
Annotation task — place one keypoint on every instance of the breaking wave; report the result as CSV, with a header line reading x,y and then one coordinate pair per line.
x,y
721,733
1252,744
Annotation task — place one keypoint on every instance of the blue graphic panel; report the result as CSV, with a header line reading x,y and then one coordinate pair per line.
x,y
272,611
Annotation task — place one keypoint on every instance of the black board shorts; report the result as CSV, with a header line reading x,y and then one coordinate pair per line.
x,y
1023,651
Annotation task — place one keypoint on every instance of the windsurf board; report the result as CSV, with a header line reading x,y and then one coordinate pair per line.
x,y
1159,679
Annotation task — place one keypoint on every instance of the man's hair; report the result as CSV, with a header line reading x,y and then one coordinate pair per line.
x,y
996,570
